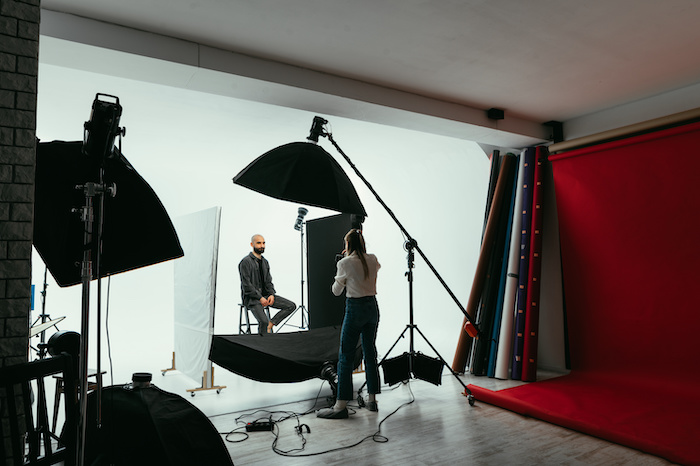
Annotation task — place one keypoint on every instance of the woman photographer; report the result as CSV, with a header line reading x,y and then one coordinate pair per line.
x,y
357,275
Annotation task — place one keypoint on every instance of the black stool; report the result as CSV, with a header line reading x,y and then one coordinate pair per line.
x,y
243,313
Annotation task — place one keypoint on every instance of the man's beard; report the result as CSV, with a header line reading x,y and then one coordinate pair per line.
x,y
259,250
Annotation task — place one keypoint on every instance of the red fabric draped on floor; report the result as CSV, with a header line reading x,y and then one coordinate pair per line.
x,y
629,216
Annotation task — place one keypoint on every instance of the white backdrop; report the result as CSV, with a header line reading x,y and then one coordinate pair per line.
x,y
195,290
188,146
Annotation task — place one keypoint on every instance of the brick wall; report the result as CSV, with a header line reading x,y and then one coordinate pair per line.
x,y
19,52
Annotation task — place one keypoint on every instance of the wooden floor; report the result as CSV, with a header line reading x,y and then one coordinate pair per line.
x,y
439,427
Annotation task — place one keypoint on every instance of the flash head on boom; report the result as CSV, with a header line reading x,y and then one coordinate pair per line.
x,y
317,129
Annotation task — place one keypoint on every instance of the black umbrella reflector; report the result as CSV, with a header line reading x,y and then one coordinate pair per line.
x,y
305,173
137,230
148,426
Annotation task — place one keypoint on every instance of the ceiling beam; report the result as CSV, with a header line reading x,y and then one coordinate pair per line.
x,y
90,45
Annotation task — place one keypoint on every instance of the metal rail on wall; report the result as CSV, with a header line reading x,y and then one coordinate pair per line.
x,y
625,131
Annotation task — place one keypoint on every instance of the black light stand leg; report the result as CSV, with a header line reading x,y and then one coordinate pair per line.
x,y
42,422
467,392
392,346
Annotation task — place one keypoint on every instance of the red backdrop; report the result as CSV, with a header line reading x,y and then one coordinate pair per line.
x,y
629,217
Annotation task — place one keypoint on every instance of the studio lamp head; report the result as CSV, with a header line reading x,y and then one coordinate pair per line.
x,y
102,128
317,129
300,218
329,374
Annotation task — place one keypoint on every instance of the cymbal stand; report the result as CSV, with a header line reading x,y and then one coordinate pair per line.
x,y
43,317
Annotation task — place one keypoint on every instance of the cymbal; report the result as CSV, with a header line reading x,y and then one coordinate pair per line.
x,y
37,329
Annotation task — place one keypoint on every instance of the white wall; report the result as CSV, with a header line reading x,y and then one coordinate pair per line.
x,y
189,145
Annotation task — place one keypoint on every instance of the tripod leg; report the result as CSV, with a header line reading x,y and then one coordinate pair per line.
x,y
387,355
304,318
392,346
467,392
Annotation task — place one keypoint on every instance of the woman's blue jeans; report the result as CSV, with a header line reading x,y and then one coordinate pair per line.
x,y
361,321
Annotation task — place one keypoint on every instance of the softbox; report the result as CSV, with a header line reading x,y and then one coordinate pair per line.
x,y
397,369
148,426
137,229
427,368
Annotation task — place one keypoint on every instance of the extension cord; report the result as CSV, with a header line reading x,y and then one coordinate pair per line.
x,y
258,426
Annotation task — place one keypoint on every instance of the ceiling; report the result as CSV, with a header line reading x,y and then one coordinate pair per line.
x,y
538,60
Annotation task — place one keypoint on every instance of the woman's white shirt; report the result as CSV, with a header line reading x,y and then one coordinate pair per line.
x,y
351,276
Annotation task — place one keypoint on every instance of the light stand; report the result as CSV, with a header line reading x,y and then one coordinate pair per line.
x,y
98,142
317,129
299,226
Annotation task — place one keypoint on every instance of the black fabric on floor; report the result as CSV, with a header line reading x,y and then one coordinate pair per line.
x,y
279,357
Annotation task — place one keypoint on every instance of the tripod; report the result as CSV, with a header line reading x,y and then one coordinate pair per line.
x,y
302,308
411,328
317,130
